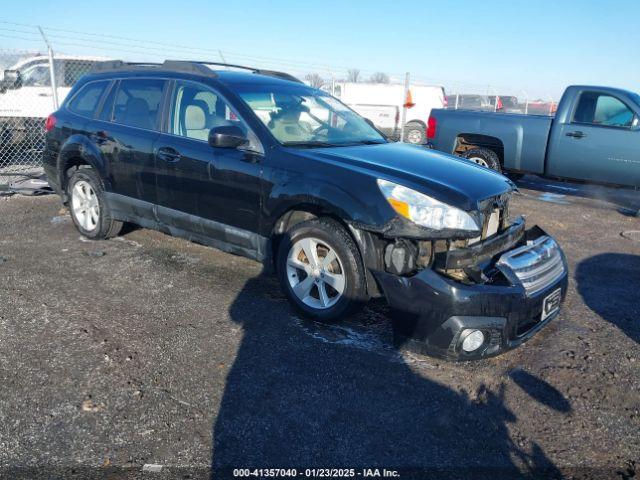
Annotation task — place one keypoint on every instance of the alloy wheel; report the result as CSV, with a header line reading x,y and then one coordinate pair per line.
x,y
85,205
315,273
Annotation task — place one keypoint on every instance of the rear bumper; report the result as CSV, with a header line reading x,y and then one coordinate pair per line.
x,y
432,312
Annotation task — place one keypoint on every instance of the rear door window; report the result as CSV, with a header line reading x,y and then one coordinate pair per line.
x,y
137,103
601,109
87,99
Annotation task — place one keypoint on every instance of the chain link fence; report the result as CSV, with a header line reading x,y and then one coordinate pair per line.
x,y
21,115
31,88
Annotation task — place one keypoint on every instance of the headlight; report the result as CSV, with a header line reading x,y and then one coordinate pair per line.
x,y
424,210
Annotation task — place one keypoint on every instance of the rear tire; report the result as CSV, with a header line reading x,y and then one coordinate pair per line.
x,y
320,270
415,133
484,157
89,210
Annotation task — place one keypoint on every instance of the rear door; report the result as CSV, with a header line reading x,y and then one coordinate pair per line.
x,y
600,142
129,126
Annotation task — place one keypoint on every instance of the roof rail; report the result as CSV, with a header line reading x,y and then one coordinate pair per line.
x,y
120,65
270,73
186,66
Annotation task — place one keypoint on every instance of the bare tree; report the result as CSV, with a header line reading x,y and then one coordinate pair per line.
x,y
380,77
353,75
314,79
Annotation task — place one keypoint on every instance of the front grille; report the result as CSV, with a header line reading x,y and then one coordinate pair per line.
x,y
536,265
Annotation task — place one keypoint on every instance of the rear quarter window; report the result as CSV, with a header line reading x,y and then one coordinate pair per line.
x,y
88,98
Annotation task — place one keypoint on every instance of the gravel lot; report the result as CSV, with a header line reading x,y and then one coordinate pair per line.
x,y
148,349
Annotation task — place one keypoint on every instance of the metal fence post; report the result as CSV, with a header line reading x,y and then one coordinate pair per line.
x,y
404,106
52,70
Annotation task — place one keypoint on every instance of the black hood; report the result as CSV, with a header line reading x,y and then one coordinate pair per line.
x,y
447,178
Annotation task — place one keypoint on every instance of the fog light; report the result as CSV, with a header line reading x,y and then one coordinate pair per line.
x,y
473,340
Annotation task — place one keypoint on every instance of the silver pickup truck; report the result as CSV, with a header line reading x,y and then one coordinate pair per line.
x,y
594,137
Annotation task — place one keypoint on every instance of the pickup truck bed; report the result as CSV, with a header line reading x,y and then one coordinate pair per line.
x,y
523,137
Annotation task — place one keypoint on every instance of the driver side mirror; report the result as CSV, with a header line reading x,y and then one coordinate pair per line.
x,y
227,136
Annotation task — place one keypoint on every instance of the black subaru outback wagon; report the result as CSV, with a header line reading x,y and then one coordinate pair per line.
x,y
258,164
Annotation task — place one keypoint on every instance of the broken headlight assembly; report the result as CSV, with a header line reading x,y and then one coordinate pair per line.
x,y
424,210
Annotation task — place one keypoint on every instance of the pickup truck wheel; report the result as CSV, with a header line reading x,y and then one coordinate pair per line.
x,y
320,270
89,210
415,133
484,157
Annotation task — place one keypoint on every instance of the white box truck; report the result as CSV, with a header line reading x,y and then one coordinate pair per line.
x,y
361,95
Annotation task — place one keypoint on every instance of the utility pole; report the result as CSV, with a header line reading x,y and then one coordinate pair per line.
x,y
52,70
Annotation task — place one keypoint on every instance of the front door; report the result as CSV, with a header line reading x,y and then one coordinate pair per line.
x,y
600,143
212,191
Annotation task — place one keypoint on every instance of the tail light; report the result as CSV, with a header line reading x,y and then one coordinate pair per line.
x,y
50,123
499,105
432,124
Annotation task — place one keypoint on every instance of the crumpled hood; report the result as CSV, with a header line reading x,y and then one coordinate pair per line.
x,y
447,178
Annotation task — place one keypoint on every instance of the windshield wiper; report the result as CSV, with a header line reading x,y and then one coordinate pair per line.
x,y
310,144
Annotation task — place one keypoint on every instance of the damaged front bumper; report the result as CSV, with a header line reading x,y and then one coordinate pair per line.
x,y
523,287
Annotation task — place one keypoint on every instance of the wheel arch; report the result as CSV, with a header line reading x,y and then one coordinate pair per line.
x,y
469,141
363,240
416,120
75,152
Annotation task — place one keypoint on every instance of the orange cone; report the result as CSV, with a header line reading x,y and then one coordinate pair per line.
x,y
408,103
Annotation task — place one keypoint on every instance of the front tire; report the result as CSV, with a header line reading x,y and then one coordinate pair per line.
x,y
484,157
320,270
89,210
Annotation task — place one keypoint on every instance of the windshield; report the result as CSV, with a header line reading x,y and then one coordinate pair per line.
x,y
304,117
36,76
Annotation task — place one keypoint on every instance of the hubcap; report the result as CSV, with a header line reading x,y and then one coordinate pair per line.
x,y
315,273
85,206
414,136
479,161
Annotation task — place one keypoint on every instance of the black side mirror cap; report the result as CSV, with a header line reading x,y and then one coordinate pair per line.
x,y
227,136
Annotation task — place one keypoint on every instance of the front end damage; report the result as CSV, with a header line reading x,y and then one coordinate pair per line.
x,y
471,298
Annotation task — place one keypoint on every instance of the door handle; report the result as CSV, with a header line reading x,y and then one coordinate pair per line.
x,y
168,154
576,134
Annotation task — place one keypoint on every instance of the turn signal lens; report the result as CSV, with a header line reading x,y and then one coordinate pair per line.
x,y
400,207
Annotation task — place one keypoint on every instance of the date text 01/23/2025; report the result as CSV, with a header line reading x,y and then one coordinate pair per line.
x,y
316,472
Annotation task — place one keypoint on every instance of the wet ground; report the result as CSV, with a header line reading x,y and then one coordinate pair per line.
x,y
147,352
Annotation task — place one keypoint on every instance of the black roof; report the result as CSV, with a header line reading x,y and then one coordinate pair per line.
x,y
183,66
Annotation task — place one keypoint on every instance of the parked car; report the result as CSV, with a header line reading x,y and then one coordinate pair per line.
x,y
26,96
237,160
425,98
489,103
469,102
594,137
